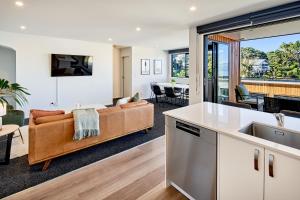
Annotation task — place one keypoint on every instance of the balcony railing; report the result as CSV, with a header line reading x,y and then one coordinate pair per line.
x,y
273,88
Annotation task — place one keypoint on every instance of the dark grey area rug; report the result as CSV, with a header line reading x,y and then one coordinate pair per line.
x,y
18,175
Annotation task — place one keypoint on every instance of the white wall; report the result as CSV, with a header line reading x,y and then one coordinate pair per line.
x,y
33,70
196,66
8,64
141,83
117,70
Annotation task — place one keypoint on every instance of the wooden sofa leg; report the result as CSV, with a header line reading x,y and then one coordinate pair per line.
x,y
147,130
46,165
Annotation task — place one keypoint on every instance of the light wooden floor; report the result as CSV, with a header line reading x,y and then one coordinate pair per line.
x,y
135,174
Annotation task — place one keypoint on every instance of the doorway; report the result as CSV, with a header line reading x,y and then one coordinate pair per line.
x,y
216,70
126,77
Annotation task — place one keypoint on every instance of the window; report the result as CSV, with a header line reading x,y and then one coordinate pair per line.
x,y
180,65
271,59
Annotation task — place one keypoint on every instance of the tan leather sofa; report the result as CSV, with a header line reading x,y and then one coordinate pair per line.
x,y
49,139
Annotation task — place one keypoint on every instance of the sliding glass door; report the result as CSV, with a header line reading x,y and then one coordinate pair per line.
x,y
223,72
216,72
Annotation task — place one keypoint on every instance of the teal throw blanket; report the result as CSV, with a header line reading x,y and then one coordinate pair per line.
x,y
86,123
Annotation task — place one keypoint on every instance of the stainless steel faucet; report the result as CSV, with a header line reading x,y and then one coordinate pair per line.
x,y
280,119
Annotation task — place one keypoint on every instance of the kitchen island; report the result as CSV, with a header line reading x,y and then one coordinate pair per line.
x,y
246,167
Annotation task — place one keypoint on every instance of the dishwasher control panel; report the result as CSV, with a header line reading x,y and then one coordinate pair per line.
x,y
188,128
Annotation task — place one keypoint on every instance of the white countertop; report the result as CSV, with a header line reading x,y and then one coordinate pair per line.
x,y
229,120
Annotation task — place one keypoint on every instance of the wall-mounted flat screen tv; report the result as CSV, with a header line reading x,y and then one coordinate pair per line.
x,y
71,65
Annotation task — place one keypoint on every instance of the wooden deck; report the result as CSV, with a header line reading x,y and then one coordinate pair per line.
x,y
138,173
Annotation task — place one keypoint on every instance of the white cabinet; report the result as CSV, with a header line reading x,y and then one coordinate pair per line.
x,y
245,175
239,178
286,177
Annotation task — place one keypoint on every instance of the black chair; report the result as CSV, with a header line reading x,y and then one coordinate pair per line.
x,y
178,90
287,97
157,92
186,94
152,95
239,105
271,105
290,113
276,105
170,93
255,100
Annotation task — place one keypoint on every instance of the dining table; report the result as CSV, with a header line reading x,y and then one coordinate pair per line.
x,y
176,85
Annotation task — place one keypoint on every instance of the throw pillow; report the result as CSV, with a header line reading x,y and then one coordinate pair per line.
x,y
243,91
136,97
43,113
110,109
134,104
47,119
123,101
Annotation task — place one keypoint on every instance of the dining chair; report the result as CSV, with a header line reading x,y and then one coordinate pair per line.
x,y
157,92
152,95
178,90
186,94
170,94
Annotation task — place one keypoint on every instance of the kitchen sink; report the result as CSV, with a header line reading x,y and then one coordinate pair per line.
x,y
273,134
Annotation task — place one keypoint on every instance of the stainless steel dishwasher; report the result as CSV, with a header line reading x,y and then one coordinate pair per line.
x,y
191,159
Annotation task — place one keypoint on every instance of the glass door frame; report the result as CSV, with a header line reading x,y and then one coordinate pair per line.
x,y
214,46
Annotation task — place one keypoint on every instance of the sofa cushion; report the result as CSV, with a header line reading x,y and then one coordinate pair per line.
x,y
243,91
109,109
53,118
136,97
134,104
123,101
43,113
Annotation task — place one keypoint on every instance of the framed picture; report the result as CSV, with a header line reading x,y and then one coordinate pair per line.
x,y
157,66
145,67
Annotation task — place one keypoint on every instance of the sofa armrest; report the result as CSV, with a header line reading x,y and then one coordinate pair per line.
x,y
139,117
45,140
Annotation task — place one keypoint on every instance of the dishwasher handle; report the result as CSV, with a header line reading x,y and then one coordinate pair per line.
x,y
188,128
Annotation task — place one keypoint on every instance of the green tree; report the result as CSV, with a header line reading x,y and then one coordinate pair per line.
x,y
246,68
285,61
209,68
251,53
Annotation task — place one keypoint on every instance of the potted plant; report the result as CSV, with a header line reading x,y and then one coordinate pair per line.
x,y
173,82
12,91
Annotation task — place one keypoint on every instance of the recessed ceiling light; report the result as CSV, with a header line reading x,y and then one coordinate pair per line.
x,y
110,39
138,29
23,28
193,8
19,3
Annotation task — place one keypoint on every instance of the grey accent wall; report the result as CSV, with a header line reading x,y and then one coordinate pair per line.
x,y
8,64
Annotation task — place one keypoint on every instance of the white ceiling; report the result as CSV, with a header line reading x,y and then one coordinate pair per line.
x,y
164,23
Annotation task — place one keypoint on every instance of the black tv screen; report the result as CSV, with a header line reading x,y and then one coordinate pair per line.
x,y
71,65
